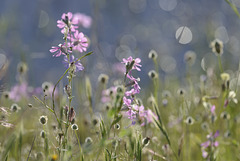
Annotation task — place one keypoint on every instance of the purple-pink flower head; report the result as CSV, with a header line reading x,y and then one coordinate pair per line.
x,y
213,108
134,82
67,63
79,42
127,102
66,22
59,50
82,20
132,63
211,142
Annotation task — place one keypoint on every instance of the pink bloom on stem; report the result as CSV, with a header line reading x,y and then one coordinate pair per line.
x,y
136,62
59,50
135,85
66,22
82,20
126,101
79,42
213,109
67,63
204,154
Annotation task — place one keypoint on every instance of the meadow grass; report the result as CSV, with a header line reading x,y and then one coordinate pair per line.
x,y
115,121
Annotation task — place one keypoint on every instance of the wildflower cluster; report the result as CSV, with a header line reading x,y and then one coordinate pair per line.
x,y
209,145
74,40
136,111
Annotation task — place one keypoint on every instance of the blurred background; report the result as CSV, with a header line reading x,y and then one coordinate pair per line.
x,y
120,28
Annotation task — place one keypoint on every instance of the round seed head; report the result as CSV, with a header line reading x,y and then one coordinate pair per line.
x,y
217,47
190,57
46,86
224,115
43,120
103,78
146,141
117,126
181,92
205,126
152,54
120,89
74,126
152,74
189,120
22,68
88,140
5,95
166,94
14,107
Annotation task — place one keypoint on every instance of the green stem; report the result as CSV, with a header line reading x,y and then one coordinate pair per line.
x,y
220,64
80,148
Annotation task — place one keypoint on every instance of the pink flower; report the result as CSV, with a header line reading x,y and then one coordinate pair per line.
x,y
82,20
126,101
79,42
135,84
213,109
211,142
134,62
67,63
59,50
66,23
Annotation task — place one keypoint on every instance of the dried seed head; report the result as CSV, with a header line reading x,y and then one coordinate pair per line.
x,y
189,120
43,120
146,141
107,106
14,107
22,68
224,115
117,126
120,89
88,140
190,57
74,127
152,74
95,121
152,55
217,47
103,78
46,86
181,92
166,94
205,126
5,95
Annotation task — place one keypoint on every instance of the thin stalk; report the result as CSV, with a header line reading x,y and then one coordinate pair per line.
x,y
220,64
80,148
